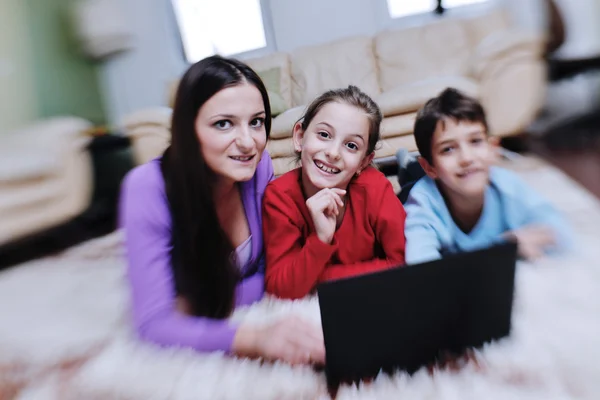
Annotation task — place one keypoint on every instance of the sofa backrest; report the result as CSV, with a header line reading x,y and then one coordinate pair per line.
x,y
316,69
377,64
438,49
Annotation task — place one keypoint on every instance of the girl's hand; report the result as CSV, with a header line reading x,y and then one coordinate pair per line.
x,y
532,240
291,340
324,207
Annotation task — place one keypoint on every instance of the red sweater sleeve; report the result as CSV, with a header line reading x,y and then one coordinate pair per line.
x,y
388,216
293,263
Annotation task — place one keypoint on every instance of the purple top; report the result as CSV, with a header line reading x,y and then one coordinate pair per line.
x,y
145,218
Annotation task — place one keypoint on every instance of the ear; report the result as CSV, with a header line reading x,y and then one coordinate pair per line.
x,y
297,136
366,161
494,142
428,168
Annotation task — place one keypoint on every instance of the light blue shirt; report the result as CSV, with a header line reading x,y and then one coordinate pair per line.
x,y
509,204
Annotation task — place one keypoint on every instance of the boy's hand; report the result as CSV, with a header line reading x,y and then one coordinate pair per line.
x,y
324,207
532,240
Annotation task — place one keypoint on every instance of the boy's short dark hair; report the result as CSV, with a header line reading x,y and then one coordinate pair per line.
x,y
450,103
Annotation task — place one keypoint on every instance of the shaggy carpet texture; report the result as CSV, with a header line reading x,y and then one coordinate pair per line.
x,y
65,332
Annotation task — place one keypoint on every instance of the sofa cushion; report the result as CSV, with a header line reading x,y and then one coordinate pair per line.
x,y
411,96
338,64
282,165
414,54
389,146
272,80
398,125
274,70
284,123
280,147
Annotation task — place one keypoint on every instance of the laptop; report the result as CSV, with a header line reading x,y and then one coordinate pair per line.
x,y
404,318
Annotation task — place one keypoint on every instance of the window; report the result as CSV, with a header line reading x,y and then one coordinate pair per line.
x,y
403,8
224,27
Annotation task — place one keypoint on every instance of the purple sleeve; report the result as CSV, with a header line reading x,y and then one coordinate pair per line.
x,y
250,289
146,220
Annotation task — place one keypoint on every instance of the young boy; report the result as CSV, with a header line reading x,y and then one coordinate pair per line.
x,y
464,203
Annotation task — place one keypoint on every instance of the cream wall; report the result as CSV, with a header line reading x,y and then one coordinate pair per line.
x,y
17,94
309,22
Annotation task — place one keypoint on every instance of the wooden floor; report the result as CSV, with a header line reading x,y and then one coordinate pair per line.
x,y
574,147
583,165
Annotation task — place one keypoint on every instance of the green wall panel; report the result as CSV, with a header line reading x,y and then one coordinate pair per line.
x,y
66,82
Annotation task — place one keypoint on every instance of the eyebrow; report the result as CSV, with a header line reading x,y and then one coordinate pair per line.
x,y
231,116
358,135
445,142
328,125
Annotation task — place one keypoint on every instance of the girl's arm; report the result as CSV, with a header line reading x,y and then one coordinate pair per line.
x,y
293,262
389,233
145,217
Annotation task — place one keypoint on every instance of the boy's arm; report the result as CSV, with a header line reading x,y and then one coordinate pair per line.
x,y
293,262
422,240
537,210
389,233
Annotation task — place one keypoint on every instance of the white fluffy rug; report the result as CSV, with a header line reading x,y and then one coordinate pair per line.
x,y
65,333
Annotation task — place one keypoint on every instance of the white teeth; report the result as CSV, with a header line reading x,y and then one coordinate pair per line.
x,y
238,158
466,173
322,167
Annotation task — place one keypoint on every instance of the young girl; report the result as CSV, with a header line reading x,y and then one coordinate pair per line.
x,y
335,216
192,222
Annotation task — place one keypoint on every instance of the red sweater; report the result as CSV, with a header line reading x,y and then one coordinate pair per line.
x,y
370,237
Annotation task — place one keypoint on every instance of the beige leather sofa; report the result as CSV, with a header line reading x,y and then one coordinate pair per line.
x,y
45,176
402,68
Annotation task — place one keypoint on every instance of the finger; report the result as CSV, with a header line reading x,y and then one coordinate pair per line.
x,y
339,192
310,342
323,193
337,198
309,329
332,207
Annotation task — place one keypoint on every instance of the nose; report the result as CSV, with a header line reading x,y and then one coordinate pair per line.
x,y
332,151
465,155
244,139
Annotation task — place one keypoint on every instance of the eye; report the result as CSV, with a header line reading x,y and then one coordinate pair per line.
x,y
447,149
257,122
477,140
323,134
223,124
352,146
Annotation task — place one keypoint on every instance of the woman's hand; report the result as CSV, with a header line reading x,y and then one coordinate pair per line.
x,y
532,240
290,339
324,207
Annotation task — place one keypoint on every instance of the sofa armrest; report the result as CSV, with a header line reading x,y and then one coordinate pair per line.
x,y
503,45
511,72
154,116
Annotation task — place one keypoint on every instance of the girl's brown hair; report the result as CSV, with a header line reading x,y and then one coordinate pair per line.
x,y
352,96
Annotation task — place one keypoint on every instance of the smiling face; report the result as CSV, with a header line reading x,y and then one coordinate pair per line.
x,y
333,147
231,130
461,155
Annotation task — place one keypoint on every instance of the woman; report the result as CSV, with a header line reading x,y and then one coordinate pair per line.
x,y
192,222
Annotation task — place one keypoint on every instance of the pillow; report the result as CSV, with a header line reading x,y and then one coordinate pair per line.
x,y
272,78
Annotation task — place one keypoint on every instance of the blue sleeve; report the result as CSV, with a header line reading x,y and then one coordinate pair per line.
x,y
541,212
531,208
